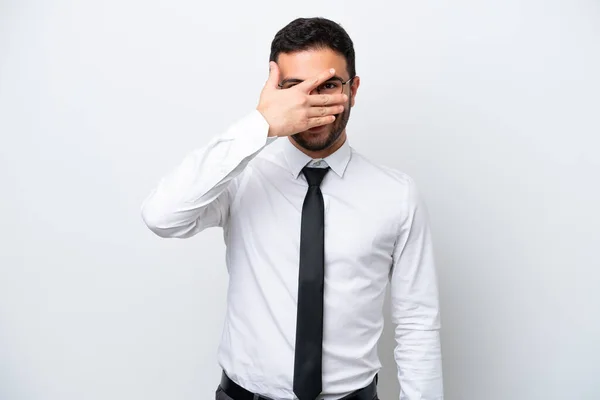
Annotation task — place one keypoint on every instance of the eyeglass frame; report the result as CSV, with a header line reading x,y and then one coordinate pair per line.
x,y
333,78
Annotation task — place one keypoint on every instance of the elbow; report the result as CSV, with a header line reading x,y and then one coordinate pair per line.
x,y
159,222
155,221
168,224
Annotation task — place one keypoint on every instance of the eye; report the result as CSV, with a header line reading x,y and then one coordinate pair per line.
x,y
289,85
330,85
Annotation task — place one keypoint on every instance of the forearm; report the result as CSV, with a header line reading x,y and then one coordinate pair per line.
x,y
419,360
194,195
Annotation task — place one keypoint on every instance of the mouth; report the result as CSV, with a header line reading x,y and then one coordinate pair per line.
x,y
317,129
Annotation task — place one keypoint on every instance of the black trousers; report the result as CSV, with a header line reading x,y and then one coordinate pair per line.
x,y
221,395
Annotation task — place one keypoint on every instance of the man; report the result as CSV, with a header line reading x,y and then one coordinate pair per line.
x,y
314,232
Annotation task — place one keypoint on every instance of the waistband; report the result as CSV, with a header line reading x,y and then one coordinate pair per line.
x,y
236,392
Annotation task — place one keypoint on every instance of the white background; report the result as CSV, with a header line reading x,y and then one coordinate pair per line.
x,y
492,107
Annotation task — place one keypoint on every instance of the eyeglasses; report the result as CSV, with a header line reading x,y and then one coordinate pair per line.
x,y
333,86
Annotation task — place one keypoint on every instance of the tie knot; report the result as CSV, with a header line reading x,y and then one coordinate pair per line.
x,y
314,176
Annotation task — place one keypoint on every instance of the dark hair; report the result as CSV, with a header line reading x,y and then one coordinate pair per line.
x,y
314,33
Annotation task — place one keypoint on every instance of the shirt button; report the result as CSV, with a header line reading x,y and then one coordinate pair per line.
x,y
318,163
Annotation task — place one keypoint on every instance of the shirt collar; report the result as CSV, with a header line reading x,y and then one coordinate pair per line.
x,y
296,159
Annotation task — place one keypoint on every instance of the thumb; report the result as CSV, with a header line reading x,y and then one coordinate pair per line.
x,y
273,80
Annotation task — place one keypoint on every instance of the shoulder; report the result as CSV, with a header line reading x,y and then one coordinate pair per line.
x,y
396,193
384,177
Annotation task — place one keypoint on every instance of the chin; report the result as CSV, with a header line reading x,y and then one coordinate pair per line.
x,y
315,141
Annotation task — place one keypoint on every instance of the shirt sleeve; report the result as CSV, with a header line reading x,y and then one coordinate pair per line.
x,y
415,306
196,195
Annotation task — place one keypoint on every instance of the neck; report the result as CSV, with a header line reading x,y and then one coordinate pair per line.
x,y
325,152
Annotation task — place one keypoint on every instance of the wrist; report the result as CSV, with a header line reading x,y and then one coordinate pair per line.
x,y
271,132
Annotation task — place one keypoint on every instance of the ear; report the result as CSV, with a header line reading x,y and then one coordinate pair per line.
x,y
354,89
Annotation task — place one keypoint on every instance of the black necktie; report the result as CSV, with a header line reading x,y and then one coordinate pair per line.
x,y
309,328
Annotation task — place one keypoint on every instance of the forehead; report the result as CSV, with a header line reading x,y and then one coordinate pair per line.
x,y
307,63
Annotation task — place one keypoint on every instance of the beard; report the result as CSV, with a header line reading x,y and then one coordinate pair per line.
x,y
317,142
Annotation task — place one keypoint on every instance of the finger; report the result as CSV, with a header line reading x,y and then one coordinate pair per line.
x,y
273,79
327,99
319,121
311,84
324,111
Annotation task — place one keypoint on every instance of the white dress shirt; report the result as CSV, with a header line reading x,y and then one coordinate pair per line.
x,y
376,232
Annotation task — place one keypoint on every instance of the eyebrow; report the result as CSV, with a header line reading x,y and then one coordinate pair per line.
x,y
296,80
